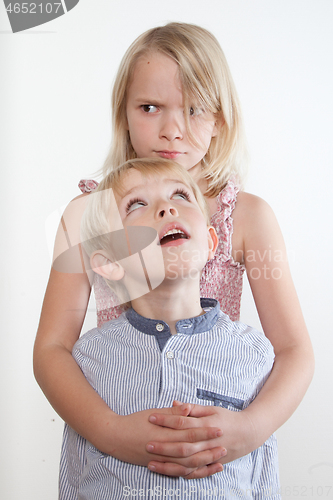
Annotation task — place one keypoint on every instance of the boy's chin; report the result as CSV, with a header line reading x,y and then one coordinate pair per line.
x,y
184,264
179,274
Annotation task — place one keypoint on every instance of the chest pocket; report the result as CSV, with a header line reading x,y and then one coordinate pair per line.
x,y
220,400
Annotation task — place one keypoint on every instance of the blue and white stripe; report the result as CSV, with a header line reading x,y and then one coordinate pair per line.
x,y
135,363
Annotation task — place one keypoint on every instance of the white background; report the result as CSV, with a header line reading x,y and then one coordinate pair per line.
x,y
55,130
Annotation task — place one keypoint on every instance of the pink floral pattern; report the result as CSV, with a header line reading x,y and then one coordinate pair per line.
x,y
222,277
87,185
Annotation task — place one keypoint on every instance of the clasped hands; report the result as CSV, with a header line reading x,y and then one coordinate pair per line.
x,y
188,440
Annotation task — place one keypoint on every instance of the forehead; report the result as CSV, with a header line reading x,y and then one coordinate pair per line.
x,y
133,179
155,70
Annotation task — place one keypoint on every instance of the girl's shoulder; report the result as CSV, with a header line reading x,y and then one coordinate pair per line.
x,y
233,201
251,209
68,237
255,224
232,205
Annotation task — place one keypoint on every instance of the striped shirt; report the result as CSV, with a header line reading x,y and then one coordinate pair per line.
x,y
134,363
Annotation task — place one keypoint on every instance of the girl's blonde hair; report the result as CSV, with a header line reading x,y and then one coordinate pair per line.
x,y
206,82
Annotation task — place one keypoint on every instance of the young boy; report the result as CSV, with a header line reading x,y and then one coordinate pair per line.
x,y
170,344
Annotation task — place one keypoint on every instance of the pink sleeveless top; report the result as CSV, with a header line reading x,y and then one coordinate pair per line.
x,y
222,277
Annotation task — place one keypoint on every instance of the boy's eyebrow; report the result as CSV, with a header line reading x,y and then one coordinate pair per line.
x,y
139,186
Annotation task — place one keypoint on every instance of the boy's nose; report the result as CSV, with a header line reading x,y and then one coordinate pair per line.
x,y
167,210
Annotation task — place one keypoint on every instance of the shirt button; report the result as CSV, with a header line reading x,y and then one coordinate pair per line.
x,y
187,325
170,355
159,327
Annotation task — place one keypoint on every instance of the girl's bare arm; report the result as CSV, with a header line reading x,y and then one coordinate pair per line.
x,y
63,312
281,318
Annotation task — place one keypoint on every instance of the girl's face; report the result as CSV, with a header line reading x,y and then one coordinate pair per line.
x,y
155,115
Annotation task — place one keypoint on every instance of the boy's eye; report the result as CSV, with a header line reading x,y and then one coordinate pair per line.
x,y
134,205
181,194
149,108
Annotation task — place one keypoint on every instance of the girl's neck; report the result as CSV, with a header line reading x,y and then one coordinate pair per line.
x,y
211,202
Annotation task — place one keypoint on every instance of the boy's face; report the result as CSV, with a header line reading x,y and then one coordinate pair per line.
x,y
169,206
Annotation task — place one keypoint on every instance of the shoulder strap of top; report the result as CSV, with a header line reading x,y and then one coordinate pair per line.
x,y
222,219
226,199
87,185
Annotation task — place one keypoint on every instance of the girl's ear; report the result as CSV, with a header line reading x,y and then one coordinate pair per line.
x,y
215,129
219,122
101,264
213,241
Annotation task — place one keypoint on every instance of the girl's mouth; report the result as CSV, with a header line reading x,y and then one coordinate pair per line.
x,y
171,155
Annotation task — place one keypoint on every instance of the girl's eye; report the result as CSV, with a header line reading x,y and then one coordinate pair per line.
x,y
149,108
181,194
195,111
134,205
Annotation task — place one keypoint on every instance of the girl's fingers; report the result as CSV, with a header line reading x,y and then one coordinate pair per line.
x,y
206,471
176,403
202,411
174,421
182,410
192,441
170,469
191,465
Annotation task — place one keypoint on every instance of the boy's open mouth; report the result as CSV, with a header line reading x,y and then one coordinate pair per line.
x,y
172,235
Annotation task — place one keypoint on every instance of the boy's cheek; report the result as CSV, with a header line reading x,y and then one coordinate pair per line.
x,y
153,262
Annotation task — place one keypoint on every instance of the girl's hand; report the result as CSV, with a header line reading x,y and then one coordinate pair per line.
x,y
238,438
191,447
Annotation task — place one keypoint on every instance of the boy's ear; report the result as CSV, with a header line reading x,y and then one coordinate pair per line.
x,y
213,241
101,264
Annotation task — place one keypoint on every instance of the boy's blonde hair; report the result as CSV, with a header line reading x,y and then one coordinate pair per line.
x,y
206,82
97,228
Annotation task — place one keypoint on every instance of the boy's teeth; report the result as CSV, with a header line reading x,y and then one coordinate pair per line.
x,y
172,234
173,231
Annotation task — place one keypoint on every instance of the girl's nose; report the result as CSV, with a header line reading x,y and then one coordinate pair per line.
x,y
172,127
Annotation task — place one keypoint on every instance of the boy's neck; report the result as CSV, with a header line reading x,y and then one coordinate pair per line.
x,y
170,303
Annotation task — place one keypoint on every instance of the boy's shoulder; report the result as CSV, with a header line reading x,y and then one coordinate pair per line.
x,y
244,334
234,333
101,332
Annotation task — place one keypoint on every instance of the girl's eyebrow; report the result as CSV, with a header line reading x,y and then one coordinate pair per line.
x,y
149,100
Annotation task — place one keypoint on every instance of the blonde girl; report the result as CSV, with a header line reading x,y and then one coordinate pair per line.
x,y
174,98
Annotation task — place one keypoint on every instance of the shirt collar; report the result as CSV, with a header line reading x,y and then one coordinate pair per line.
x,y
189,326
